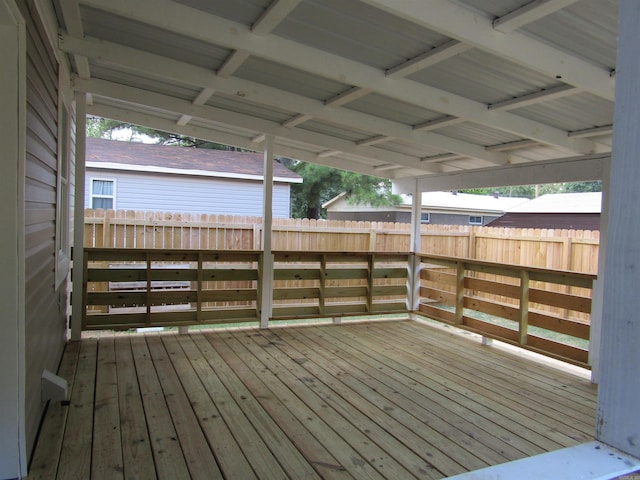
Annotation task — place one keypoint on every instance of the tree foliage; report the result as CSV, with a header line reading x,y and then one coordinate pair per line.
x,y
320,184
98,127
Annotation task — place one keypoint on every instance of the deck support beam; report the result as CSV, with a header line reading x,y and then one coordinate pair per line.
x,y
266,270
618,422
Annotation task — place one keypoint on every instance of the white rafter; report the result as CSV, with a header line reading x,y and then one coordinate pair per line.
x,y
438,123
137,118
194,23
296,120
367,142
201,99
346,97
545,95
182,107
329,153
73,21
592,132
505,147
427,59
183,73
441,158
465,25
232,63
529,13
277,11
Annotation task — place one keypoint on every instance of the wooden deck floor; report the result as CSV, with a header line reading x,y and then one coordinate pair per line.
x,y
384,400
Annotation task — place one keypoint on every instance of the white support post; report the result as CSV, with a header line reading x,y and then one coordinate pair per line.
x,y
77,273
597,291
618,422
413,274
266,278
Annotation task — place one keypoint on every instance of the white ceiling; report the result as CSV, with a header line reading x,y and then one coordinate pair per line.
x,y
394,88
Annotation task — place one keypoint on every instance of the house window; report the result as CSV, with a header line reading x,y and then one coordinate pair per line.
x,y
103,193
475,220
425,218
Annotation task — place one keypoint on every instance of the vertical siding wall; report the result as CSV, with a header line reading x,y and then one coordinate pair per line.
x,y
45,306
186,194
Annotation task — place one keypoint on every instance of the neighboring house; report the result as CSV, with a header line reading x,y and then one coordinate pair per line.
x,y
574,211
442,208
161,178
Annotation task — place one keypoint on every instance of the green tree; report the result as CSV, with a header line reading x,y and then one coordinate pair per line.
x,y
98,127
320,184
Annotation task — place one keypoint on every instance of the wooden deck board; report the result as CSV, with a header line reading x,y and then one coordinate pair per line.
x,y
136,445
382,400
106,455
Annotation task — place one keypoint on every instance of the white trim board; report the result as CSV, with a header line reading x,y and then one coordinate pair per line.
x,y
181,171
588,461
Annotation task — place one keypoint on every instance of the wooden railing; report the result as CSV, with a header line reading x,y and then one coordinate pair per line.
x,y
538,309
129,288
329,284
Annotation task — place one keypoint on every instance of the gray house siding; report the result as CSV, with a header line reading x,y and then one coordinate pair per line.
x,y
456,219
45,311
405,217
189,194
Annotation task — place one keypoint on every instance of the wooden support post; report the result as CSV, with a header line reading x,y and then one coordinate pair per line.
x,y
78,304
618,423
370,267
523,314
323,283
459,293
200,277
148,301
84,288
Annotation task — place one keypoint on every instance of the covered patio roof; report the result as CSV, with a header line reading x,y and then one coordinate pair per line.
x,y
387,88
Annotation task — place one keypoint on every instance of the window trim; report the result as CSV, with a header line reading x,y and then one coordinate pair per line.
x,y
112,196
481,222
427,220
63,195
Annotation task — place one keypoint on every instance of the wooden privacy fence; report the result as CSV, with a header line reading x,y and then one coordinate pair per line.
x,y
575,250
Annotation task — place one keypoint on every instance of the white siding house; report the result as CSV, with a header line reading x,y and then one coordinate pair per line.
x,y
160,178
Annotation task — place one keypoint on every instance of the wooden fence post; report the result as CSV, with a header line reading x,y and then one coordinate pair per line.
x,y
459,293
523,320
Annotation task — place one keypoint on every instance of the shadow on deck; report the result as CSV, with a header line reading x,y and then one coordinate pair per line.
x,y
393,399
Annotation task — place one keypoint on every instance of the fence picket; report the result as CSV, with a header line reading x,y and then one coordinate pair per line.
x,y
555,249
